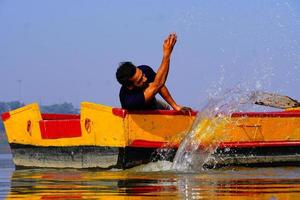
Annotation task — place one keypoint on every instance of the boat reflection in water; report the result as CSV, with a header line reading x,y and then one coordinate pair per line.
x,y
241,183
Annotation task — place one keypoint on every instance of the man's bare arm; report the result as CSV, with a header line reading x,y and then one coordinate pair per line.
x,y
164,92
162,72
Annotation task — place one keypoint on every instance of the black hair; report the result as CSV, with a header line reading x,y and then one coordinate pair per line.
x,y
125,71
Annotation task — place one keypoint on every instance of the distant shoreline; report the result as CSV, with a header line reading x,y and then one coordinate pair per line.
x,y
4,146
2,137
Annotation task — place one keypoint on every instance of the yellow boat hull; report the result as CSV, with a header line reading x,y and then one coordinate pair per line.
x,y
106,137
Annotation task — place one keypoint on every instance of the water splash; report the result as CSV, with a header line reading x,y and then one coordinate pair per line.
x,y
157,166
213,117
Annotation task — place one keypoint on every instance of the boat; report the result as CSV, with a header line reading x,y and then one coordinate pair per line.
x,y
106,137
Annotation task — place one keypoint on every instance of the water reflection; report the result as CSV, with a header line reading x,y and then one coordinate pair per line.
x,y
75,184
239,183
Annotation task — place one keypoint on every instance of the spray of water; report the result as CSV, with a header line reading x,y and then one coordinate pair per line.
x,y
193,152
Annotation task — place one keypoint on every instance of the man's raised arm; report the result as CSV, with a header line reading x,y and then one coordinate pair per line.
x,y
162,72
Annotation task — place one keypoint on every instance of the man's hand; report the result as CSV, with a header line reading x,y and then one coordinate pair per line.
x,y
169,43
183,109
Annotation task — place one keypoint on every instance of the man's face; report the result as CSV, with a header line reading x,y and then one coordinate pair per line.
x,y
139,79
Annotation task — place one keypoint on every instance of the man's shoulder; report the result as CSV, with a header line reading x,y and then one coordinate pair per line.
x,y
131,99
125,91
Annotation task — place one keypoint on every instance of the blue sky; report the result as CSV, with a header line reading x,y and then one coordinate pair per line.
x,y
68,51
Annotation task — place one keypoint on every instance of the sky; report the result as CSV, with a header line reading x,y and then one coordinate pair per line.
x,y
56,51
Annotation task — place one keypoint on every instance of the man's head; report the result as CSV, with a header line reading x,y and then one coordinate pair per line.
x,y
130,76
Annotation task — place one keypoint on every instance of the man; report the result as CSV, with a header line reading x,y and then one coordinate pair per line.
x,y
141,84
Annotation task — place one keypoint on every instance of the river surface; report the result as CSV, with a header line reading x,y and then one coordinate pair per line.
x,y
151,181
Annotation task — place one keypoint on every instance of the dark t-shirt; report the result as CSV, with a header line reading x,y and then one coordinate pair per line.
x,y
134,99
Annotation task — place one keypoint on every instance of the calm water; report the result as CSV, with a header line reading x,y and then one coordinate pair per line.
x,y
148,182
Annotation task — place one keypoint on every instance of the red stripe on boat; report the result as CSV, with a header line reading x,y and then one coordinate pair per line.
x,y
267,114
122,112
119,112
162,112
5,116
55,129
48,116
151,144
154,144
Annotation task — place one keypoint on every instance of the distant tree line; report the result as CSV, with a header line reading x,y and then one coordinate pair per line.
x,y
64,108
